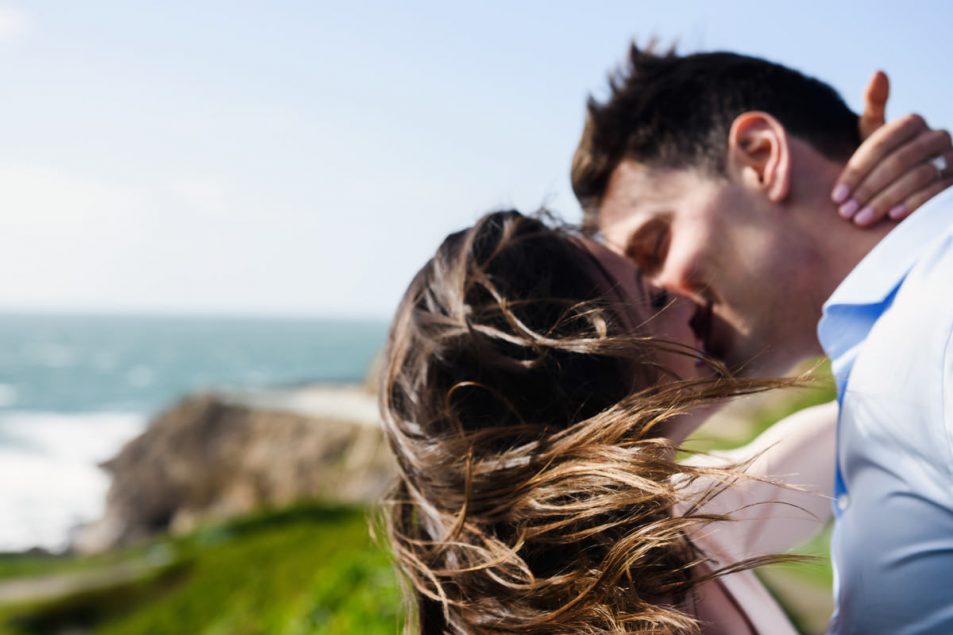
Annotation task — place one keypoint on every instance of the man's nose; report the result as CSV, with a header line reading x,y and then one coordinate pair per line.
x,y
683,280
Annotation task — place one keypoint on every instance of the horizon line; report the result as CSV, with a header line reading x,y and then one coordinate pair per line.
x,y
190,313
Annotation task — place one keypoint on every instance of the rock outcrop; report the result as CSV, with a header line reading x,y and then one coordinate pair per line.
x,y
212,457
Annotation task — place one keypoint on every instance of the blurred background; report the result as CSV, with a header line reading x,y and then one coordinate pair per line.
x,y
208,212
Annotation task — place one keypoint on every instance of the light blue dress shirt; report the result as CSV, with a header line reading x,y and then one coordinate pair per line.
x,y
887,329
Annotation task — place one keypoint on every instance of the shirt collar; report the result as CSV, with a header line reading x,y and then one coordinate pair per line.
x,y
888,263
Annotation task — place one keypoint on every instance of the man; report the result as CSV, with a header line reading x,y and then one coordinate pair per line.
x,y
714,172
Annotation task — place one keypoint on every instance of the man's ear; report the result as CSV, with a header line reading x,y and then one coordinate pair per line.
x,y
759,152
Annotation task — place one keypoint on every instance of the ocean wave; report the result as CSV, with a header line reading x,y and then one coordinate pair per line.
x,y
8,395
53,355
50,480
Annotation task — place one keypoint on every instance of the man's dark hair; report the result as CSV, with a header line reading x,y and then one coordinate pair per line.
x,y
671,111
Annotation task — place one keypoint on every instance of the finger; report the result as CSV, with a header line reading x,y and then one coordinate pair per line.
x,y
924,146
906,193
921,197
886,202
875,104
873,150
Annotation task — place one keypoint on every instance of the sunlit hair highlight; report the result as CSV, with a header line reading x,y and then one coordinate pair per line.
x,y
535,491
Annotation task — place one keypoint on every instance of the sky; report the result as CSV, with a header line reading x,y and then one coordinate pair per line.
x,y
306,158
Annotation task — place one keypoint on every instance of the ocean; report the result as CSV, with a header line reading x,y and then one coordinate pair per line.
x,y
75,388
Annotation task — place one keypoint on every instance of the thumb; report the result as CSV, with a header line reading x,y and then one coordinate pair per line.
x,y
875,104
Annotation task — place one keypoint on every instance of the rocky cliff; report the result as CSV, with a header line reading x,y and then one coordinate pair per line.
x,y
212,456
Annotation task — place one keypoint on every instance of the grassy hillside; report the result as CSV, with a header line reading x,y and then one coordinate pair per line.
x,y
307,570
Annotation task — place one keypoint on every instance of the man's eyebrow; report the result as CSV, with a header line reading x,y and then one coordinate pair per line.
x,y
651,223
634,233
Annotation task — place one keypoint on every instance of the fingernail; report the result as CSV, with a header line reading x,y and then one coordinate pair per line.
x,y
865,216
897,211
849,208
839,195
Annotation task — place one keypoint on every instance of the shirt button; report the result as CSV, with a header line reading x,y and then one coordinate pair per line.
x,y
842,502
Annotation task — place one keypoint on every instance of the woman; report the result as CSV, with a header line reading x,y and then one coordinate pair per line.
x,y
536,392
535,423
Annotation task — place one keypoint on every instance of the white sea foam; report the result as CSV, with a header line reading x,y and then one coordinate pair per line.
x,y
49,475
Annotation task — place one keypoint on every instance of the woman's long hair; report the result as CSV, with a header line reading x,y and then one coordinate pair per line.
x,y
535,491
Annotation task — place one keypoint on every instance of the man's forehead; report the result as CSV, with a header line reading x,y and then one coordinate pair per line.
x,y
633,189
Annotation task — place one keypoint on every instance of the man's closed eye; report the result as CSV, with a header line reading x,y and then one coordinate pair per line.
x,y
648,247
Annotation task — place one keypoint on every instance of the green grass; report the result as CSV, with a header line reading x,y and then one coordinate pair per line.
x,y
40,563
307,570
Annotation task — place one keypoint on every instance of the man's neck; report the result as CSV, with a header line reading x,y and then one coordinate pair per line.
x,y
840,245
843,245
